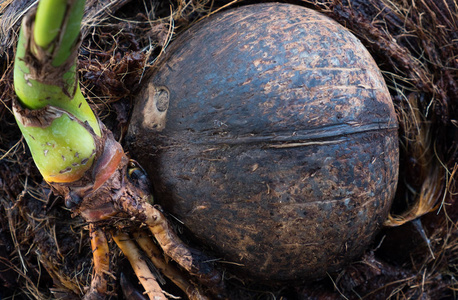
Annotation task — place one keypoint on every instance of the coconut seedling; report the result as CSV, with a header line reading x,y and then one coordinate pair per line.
x,y
81,161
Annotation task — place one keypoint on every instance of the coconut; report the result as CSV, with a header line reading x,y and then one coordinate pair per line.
x,y
268,130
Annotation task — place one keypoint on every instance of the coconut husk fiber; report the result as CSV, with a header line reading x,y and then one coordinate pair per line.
x,y
46,254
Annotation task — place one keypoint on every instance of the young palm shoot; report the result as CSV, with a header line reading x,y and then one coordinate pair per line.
x,y
79,157
58,124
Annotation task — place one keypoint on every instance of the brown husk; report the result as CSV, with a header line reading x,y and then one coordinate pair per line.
x,y
415,45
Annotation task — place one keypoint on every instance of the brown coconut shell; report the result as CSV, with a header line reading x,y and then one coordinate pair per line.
x,y
269,132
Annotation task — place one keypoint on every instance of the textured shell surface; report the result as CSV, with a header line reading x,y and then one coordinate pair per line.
x,y
269,132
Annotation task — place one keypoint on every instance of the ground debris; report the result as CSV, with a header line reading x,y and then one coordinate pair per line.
x,y
413,42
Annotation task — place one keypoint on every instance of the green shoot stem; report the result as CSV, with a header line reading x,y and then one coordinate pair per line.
x,y
51,31
62,133
48,21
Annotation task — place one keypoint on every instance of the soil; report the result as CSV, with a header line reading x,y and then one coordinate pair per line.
x,y
45,251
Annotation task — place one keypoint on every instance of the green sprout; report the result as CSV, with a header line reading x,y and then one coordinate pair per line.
x,y
52,113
